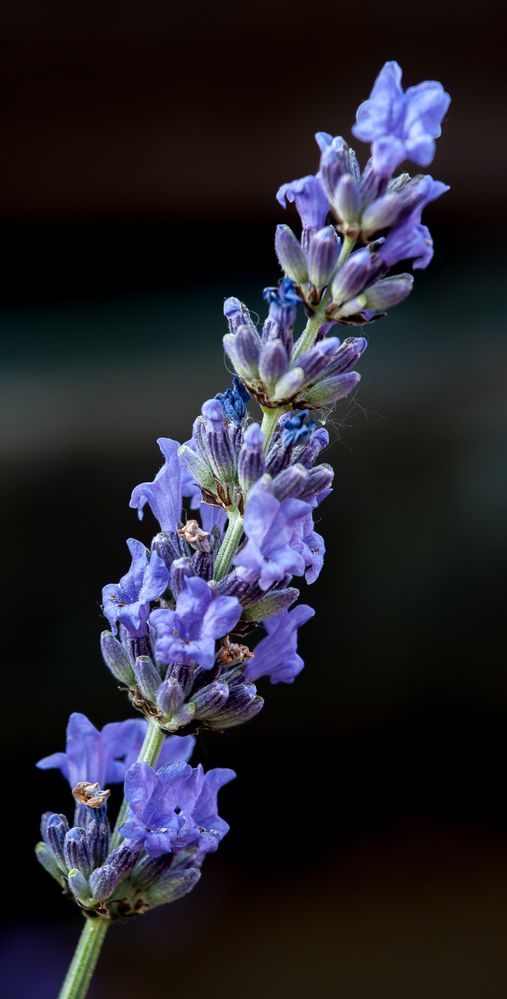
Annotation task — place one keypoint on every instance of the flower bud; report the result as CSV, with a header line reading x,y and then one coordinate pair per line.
x,y
103,882
170,695
116,659
290,254
278,457
316,360
247,347
318,480
380,214
181,569
78,885
289,384
273,362
352,276
198,468
219,450
47,860
271,604
290,482
347,355
296,427
54,833
210,699
327,392
236,314
318,442
251,462
147,677
182,717
323,256
167,546
149,870
172,886
203,565
346,200
388,292
99,836
243,704
123,860
337,159
76,850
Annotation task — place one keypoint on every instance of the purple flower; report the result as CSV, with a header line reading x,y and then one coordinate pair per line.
x,y
410,240
187,635
163,495
276,655
174,808
233,401
128,602
309,198
311,546
104,756
270,527
401,124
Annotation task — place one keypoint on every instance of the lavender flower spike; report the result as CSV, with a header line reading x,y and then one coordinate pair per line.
x,y
401,124
183,618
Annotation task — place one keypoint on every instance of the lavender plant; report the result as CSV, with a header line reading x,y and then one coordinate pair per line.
x,y
210,608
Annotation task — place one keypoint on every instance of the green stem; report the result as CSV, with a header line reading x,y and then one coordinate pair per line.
x,y
232,538
85,958
269,422
347,247
309,334
90,942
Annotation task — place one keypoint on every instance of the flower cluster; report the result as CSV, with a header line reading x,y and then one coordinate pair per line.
x,y
171,825
209,607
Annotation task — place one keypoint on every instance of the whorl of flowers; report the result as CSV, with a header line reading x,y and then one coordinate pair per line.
x,y
209,607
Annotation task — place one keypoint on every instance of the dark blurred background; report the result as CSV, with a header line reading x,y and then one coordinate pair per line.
x,y
142,145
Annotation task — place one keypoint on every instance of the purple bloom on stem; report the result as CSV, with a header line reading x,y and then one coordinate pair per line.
x,y
187,635
93,755
410,240
276,655
163,495
128,602
174,808
308,195
312,546
104,756
270,526
401,124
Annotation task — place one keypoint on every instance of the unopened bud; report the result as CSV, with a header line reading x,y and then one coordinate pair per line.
x,y
147,677
323,256
116,659
388,292
327,392
290,254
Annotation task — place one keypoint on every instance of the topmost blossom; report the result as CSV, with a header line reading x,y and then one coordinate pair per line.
x,y
401,124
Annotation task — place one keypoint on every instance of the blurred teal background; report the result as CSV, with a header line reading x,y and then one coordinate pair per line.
x,y
368,845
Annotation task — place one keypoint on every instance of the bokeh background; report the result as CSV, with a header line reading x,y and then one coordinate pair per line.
x,y
142,145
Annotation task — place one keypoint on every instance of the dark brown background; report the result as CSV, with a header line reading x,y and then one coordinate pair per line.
x,y
141,149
